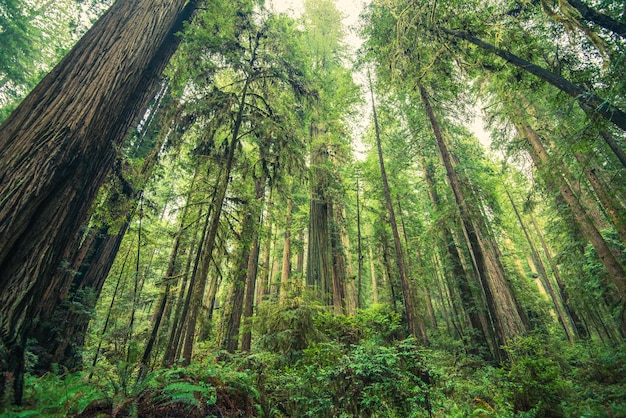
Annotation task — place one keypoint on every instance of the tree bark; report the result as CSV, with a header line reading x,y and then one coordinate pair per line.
x,y
170,276
245,273
318,258
614,210
286,268
67,129
338,267
612,265
599,19
248,307
373,272
579,327
545,280
359,249
455,270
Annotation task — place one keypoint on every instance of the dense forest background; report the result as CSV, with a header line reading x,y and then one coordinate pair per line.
x,y
208,208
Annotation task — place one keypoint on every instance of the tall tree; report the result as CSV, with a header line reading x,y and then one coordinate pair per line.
x,y
416,325
68,128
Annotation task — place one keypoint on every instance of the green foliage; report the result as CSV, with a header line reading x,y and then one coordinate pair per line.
x,y
536,375
57,395
286,329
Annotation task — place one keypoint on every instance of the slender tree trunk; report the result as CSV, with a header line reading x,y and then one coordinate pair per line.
x,y
350,279
599,19
248,309
198,281
197,294
501,302
416,329
300,255
444,309
612,265
177,323
68,128
373,273
388,275
108,316
584,97
459,276
170,276
545,280
579,327
615,211
359,250
243,286
286,269
262,288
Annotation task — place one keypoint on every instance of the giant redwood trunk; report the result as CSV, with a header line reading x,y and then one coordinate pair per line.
x,y
318,258
58,145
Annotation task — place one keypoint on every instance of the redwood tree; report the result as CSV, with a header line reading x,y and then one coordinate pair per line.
x,y
58,145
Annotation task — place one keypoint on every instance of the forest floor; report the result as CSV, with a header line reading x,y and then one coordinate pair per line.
x,y
342,367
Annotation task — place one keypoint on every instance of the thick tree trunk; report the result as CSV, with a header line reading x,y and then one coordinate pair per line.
x,y
286,268
454,269
67,129
318,260
338,270
350,285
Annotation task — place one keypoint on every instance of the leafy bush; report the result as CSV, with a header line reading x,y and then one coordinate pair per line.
x,y
539,386
57,395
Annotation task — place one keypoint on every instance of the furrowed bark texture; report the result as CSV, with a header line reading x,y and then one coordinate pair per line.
x,y
58,145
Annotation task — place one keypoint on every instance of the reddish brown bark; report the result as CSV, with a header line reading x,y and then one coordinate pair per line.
x,y
58,145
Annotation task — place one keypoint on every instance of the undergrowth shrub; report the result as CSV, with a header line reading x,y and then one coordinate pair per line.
x,y
538,377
